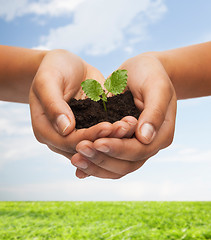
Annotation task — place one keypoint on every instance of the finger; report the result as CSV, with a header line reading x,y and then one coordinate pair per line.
x,y
166,132
132,121
120,129
97,131
124,128
45,133
91,169
106,162
85,168
65,154
42,127
124,149
50,94
156,102
133,149
80,174
97,165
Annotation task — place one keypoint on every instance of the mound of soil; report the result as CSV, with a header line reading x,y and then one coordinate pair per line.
x,y
89,113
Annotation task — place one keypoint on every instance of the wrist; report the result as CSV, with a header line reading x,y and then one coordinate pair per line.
x,y
167,63
36,60
164,59
29,68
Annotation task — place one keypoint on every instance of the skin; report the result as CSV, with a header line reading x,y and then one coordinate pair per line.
x,y
65,72
125,155
18,67
25,75
151,76
156,79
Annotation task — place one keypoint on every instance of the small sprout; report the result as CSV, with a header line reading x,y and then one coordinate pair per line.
x,y
115,84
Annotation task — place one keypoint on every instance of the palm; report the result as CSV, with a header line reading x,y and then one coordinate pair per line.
x,y
73,87
57,81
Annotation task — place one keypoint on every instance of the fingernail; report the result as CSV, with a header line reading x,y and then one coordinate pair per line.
x,y
88,152
147,131
63,123
103,148
81,164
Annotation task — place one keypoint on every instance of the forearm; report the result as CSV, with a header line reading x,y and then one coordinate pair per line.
x,y
18,67
189,69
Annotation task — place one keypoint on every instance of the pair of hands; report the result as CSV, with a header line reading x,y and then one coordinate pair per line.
x,y
104,150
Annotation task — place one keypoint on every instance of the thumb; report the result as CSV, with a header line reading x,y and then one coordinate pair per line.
x,y
156,101
56,109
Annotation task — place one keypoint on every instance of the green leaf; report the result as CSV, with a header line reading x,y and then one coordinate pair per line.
x,y
117,82
92,89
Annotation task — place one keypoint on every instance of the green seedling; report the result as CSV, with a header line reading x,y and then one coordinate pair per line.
x,y
115,84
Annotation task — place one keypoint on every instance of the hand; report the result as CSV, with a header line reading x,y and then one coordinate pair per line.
x,y
154,94
57,80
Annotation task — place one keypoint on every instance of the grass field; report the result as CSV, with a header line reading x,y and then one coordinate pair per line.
x,y
105,220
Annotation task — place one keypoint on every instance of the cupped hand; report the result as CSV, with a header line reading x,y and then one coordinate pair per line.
x,y
58,79
155,96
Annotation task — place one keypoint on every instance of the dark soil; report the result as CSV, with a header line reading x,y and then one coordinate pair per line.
x,y
89,113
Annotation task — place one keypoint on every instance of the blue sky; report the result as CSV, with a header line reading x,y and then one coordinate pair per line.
x,y
105,33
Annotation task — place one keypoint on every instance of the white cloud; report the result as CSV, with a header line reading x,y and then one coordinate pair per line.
x,y
100,27
184,154
20,147
18,144
11,9
16,135
195,156
128,49
14,119
7,127
206,37
17,141
54,7
194,102
85,190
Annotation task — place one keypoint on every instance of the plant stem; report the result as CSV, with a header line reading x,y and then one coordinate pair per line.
x,y
104,105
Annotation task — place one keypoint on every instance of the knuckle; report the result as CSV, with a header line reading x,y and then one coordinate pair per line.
x,y
50,107
86,134
158,115
38,136
169,140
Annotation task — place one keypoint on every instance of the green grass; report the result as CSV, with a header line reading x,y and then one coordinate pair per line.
x,y
105,220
